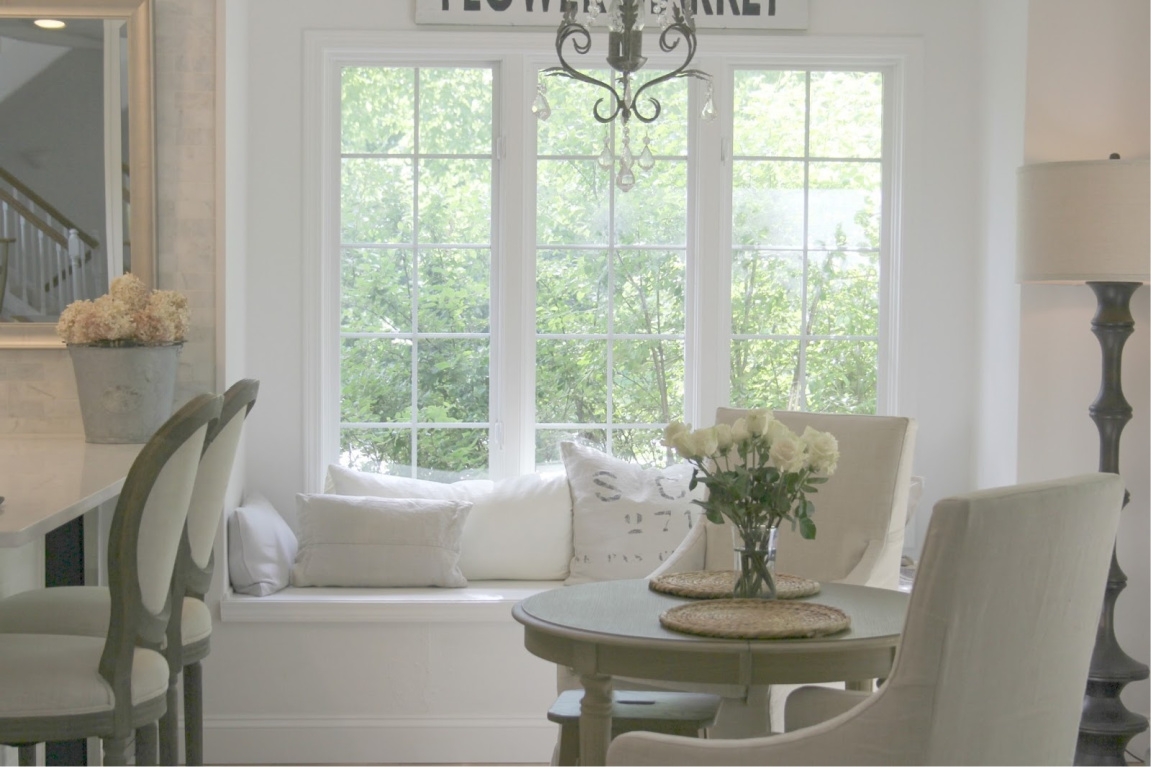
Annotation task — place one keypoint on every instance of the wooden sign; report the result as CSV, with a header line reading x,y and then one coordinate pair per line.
x,y
709,14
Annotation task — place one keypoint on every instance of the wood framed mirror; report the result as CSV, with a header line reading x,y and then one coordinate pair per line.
x,y
77,158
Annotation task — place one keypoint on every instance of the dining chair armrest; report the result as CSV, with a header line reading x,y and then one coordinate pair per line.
x,y
808,746
688,555
809,705
865,568
879,565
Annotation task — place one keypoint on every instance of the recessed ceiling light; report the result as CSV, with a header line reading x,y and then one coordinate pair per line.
x,y
49,23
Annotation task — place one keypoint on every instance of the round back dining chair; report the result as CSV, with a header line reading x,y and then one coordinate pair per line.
x,y
65,687
190,631
84,610
995,650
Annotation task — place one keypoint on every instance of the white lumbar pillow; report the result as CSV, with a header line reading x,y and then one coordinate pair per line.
x,y
379,542
261,548
518,528
626,519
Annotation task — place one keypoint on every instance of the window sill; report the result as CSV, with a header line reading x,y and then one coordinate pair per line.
x,y
478,602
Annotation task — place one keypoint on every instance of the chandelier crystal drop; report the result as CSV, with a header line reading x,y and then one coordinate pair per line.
x,y
540,107
624,99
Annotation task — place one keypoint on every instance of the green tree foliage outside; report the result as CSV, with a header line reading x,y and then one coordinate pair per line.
x,y
805,264
415,269
611,277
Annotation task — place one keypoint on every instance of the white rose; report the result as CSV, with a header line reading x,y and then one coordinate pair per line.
x,y
739,431
788,453
683,445
723,436
778,430
705,442
758,422
822,449
673,430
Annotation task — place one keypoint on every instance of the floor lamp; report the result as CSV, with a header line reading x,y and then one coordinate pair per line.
x,y
1090,223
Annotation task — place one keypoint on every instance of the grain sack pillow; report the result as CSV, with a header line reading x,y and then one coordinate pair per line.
x,y
625,519
378,542
518,528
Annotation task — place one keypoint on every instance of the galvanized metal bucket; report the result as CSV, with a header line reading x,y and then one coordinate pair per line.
x,y
126,392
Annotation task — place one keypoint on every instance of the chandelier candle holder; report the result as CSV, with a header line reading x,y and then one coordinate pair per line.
x,y
626,20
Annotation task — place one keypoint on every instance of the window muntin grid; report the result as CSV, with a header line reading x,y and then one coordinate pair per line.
x,y
807,191
416,254
610,280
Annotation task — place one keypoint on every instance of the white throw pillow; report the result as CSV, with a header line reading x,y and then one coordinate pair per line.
x,y
626,519
521,530
344,481
261,548
378,542
518,528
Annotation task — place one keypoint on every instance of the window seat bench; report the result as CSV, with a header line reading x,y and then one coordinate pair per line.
x,y
478,602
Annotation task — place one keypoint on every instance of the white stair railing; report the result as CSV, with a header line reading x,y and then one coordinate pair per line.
x,y
50,261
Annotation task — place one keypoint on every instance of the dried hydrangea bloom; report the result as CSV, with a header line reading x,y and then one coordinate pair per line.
x,y
110,321
163,321
71,327
128,289
169,310
128,315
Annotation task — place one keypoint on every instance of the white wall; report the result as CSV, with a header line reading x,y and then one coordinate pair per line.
x,y
1002,83
1088,92
256,694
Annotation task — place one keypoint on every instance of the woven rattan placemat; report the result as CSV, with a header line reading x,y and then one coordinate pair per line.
x,y
717,584
755,619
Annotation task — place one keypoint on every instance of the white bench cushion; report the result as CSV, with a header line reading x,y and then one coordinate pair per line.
x,y
479,602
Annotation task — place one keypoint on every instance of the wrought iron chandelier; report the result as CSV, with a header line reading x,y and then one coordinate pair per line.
x,y
625,23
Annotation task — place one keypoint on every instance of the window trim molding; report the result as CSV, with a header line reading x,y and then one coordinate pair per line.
x,y
514,55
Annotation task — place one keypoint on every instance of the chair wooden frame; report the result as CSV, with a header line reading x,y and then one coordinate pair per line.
x,y
192,581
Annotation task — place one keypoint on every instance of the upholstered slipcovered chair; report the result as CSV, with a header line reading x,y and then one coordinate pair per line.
x,y
113,684
995,650
860,514
84,610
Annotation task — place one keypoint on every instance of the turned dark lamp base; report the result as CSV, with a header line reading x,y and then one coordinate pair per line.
x,y
1106,725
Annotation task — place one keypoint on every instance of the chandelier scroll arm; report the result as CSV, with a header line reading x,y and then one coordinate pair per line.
x,y
668,44
581,42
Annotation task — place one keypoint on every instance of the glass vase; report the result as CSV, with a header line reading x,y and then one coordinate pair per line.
x,y
754,562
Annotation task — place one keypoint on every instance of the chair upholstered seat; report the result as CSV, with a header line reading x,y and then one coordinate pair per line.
x,y
84,611
195,622
54,675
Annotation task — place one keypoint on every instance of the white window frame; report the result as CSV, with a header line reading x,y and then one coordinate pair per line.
x,y
516,57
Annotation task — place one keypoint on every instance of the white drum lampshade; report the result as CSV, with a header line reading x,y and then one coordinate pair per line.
x,y
1084,222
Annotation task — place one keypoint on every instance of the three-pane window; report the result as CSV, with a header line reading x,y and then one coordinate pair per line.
x,y
420,219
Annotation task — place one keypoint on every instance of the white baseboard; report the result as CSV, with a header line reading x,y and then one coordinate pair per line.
x,y
379,740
